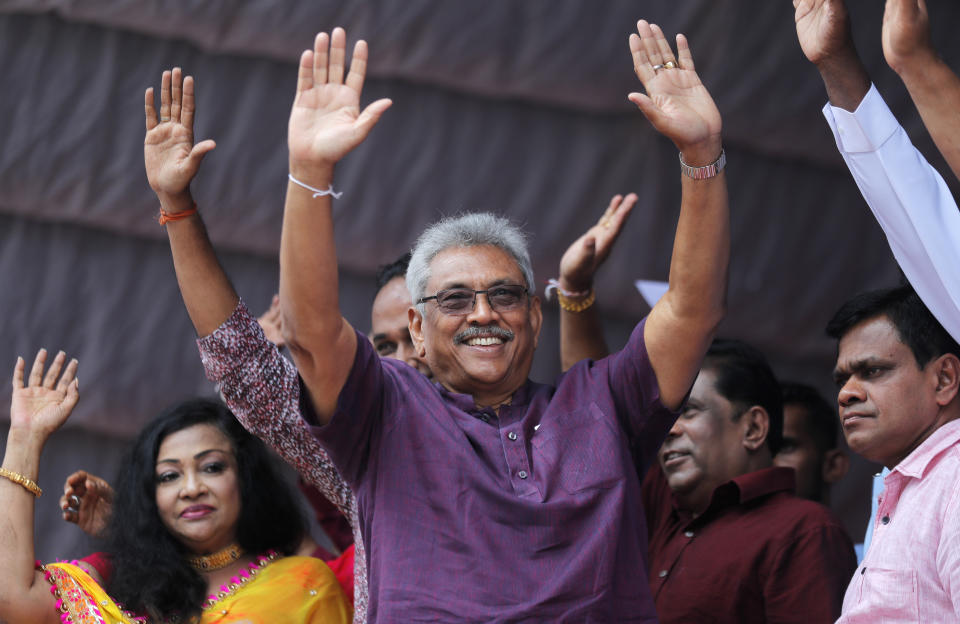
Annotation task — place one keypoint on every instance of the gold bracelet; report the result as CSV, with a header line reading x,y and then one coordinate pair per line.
x,y
28,484
576,305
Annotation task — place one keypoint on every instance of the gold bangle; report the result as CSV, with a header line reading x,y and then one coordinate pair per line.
x,y
28,484
576,305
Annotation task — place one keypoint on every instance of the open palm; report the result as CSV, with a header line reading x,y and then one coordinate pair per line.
x,y
169,154
326,122
676,102
45,402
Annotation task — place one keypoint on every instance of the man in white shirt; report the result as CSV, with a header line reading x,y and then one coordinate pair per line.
x,y
906,194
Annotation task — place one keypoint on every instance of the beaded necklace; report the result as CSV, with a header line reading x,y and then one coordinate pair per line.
x,y
218,560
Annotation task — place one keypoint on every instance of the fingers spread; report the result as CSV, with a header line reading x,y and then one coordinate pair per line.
x,y
186,112
358,67
305,72
371,115
641,64
18,374
165,97
51,377
321,56
647,107
649,43
36,372
68,376
73,395
683,52
338,55
198,152
176,91
663,46
150,111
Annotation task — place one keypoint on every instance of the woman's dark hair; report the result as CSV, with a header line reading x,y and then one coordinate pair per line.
x,y
150,573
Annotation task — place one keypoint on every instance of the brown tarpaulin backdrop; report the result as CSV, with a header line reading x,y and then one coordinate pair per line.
x,y
515,106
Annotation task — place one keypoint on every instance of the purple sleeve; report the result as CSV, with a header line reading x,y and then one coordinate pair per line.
x,y
636,395
371,394
261,388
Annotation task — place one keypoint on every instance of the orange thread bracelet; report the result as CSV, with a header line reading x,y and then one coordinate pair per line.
x,y
165,218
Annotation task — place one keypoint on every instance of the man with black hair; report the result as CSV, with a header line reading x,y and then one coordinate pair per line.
x,y
898,373
729,540
389,332
811,442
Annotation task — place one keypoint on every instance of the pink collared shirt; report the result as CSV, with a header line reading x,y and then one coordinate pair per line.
x,y
911,573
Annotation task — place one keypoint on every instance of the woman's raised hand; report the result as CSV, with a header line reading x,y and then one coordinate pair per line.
x,y
42,404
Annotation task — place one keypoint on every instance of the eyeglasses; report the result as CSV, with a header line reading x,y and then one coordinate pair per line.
x,y
462,300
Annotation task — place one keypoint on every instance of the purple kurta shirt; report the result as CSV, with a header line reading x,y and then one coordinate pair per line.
x,y
534,515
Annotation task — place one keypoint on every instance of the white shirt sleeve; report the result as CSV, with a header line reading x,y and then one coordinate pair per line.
x,y
909,199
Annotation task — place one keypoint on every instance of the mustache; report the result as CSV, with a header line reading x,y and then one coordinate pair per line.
x,y
478,332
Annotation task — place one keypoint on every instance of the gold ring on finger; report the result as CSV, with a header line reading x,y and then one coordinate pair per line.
x,y
670,65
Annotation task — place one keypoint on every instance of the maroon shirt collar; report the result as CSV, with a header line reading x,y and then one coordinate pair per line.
x,y
745,488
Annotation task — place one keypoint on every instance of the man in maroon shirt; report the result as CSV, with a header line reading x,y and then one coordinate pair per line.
x,y
729,540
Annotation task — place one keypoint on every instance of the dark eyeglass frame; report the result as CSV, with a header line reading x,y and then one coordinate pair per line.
x,y
520,291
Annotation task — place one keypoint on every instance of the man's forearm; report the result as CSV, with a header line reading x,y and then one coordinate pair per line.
x,y
846,79
319,339
207,292
682,324
935,91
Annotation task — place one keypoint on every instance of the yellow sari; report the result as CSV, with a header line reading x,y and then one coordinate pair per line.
x,y
291,590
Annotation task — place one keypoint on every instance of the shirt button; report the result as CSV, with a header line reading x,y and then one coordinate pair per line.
x,y
885,519
662,574
512,435
522,474
688,533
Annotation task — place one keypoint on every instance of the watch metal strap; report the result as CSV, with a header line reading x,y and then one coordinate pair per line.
x,y
707,171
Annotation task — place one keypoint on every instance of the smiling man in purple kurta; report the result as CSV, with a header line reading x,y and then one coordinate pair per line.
x,y
485,496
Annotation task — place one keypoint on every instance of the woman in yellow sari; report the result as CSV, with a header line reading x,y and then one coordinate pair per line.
x,y
203,529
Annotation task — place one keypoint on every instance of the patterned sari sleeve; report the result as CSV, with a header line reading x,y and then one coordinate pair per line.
x,y
262,389
80,600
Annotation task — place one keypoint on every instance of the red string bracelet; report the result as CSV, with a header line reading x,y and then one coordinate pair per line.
x,y
165,217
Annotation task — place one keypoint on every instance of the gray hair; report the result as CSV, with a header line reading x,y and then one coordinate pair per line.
x,y
467,230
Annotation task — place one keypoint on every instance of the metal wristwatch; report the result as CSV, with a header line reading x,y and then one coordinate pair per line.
x,y
707,171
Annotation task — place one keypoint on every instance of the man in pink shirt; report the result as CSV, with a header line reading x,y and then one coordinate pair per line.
x,y
898,372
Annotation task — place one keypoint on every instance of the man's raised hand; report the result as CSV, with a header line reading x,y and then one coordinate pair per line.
x,y
823,29
326,122
676,102
906,34
170,156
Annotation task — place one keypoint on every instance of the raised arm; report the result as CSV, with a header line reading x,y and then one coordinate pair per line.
x,y
581,332
326,123
682,323
36,411
907,195
172,160
934,87
823,29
